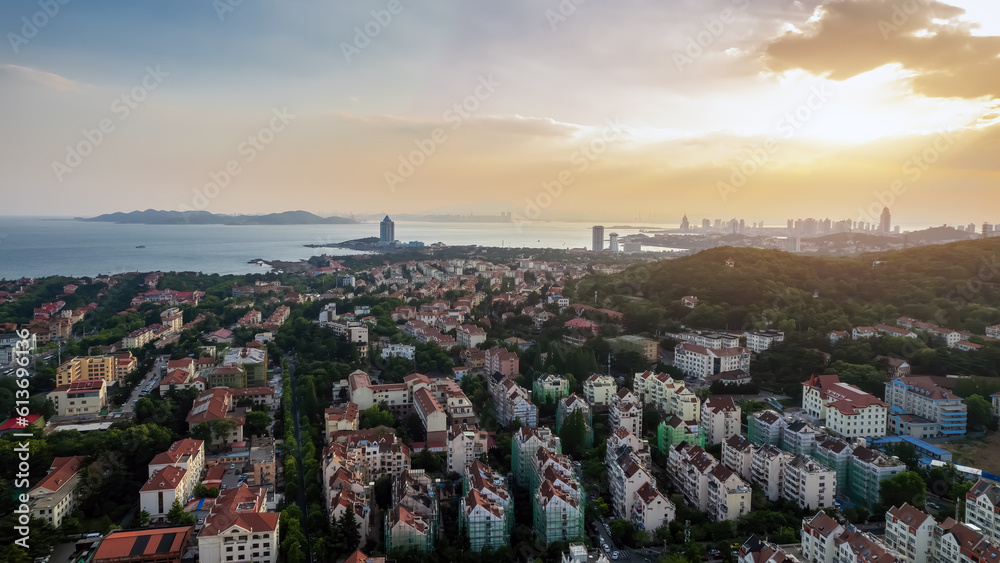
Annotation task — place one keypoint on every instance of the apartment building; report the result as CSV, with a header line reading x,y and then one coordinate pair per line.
x,y
625,412
701,362
720,417
622,441
216,404
982,507
55,496
486,510
405,351
923,397
819,536
910,532
855,546
868,468
88,367
239,528
466,443
847,410
599,389
339,418
668,395
673,431
81,397
647,347
766,428
737,454
344,500
470,336
549,387
625,475
707,339
511,401
438,402
375,452
707,484
571,404
808,483
524,444
954,541
651,509
415,520
756,550
164,486
767,470
836,454
762,340
252,362
502,361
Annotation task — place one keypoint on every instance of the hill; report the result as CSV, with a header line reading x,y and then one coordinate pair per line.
x,y
156,217
955,285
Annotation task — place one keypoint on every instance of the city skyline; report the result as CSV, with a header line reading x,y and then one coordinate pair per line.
x,y
726,108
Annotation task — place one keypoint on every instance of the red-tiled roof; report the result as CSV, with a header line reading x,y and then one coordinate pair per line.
x,y
124,546
62,469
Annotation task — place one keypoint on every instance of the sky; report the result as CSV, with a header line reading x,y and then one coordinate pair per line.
x,y
632,110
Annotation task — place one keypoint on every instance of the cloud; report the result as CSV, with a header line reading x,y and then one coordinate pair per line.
x,y
927,39
11,75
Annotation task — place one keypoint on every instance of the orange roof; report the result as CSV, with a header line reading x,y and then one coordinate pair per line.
x,y
135,544
63,468
167,478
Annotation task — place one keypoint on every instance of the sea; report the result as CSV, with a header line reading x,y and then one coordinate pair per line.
x,y
44,246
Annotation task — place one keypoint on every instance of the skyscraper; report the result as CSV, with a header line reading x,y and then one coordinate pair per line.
x,y
598,238
387,232
685,226
613,242
885,224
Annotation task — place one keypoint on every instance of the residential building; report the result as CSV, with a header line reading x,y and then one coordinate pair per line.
x,y
755,550
910,532
819,538
868,468
720,417
668,395
622,441
737,454
262,463
701,362
766,428
599,389
387,232
859,332
625,475
982,507
503,361
238,528
571,404
524,444
466,444
486,511
399,351
81,397
768,471
164,487
855,546
646,347
251,361
216,404
56,496
511,401
470,336
88,367
762,340
625,412
848,410
954,541
673,431
894,331
340,418
797,438
156,545
374,451
707,484
651,509
414,522
808,483
549,386
925,398
836,454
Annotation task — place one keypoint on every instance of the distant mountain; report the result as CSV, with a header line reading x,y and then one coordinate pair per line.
x,y
156,217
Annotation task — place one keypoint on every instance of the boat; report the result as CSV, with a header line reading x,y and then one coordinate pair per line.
x,y
141,246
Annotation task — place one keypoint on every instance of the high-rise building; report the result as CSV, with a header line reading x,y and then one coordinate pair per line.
x,y
613,242
387,231
598,238
685,226
884,225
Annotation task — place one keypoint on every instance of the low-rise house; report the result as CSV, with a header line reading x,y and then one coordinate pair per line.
x,y
81,397
340,418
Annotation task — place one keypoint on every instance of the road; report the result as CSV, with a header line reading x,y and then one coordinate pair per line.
x,y
302,501
152,378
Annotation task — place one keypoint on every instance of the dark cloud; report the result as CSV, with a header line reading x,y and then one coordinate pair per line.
x,y
925,37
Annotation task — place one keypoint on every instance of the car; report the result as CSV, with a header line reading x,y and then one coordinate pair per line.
x,y
614,555
201,521
223,487
715,553
232,466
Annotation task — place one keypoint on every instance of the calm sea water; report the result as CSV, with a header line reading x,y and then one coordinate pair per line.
x,y
39,246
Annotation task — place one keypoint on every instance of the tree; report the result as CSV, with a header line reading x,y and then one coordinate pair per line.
x,y
178,516
348,527
573,434
375,415
904,487
143,519
257,422
980,411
